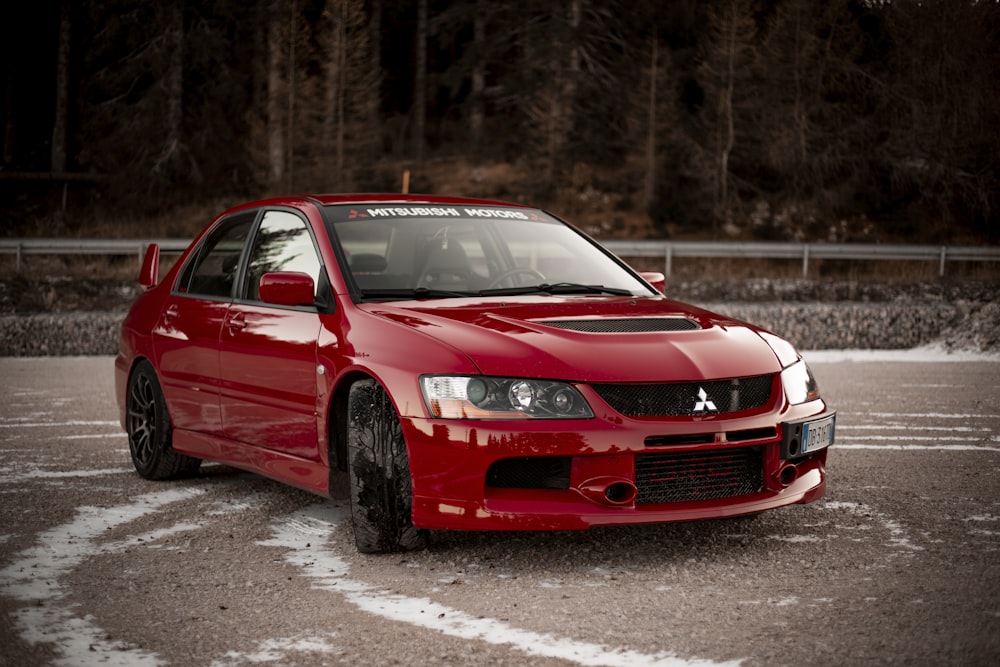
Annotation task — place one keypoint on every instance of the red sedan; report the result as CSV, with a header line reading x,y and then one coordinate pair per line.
x,y
466,364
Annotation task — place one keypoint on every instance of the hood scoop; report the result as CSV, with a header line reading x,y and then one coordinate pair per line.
x,y
630,325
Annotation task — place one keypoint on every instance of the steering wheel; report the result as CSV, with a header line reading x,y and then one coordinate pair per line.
x,y
517,270
434,277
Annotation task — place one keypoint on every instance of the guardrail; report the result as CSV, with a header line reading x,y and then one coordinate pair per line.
x,y
24,246
668,250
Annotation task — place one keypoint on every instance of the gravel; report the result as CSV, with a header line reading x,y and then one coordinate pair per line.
x,y
60,334
897,565
42,318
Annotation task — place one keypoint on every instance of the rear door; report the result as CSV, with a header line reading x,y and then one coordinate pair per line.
x,y
186,338
267,357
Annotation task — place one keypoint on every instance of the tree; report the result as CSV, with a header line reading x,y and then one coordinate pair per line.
x,y
573,61
350,107
943,138
173,150
813,123
725,75
672,187
131,104
419,112
276,101
477,93
650,171
60,122
878,112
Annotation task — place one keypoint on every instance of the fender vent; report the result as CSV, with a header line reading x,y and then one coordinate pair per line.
x,y
635,325
530,472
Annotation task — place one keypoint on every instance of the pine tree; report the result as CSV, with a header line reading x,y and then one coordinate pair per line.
x,y
725,75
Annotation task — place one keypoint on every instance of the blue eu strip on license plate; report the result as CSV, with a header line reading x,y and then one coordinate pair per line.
x,y
817,435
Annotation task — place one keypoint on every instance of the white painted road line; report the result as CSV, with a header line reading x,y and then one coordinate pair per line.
x,y
918,448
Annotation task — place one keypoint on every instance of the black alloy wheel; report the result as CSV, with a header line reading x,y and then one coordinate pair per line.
x,y
149,432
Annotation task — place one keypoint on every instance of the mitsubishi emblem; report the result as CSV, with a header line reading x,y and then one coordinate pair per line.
x,y
703,404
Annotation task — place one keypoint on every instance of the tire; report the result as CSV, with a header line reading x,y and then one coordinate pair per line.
x,y
150,435
379,470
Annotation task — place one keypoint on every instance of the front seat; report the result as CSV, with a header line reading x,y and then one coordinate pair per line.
x,y
447,267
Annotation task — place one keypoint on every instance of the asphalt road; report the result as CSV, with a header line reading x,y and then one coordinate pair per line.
x,y
899,564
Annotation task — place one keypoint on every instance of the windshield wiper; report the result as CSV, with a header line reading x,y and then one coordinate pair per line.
x,y
415,293
556,288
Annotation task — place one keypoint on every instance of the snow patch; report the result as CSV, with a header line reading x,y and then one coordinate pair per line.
x,y
924,354
275,650
299,533
35,577
897,534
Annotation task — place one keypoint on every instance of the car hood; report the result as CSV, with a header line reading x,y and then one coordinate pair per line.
x,y
541,337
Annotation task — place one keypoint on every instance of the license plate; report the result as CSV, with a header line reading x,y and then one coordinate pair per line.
x,y
817,435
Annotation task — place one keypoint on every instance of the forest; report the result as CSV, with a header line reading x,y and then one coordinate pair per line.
x,y
842,120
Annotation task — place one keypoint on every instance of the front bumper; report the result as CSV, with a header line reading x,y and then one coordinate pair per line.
x,y
554,475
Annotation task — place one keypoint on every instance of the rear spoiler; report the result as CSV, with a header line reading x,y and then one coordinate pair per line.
x,y
149,274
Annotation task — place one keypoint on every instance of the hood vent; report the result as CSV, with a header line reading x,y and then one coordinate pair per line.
x,y
632,325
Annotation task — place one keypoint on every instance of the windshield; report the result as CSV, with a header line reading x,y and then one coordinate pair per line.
x,y
429,251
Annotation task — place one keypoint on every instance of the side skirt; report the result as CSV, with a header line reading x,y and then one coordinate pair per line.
x,y
301,473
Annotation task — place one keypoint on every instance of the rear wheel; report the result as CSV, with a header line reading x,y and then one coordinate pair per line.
x,y
149,432
381,488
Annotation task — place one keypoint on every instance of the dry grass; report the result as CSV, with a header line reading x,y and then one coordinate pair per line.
x,y
94,267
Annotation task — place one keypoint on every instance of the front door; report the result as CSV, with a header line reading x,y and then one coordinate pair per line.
x,y
268,353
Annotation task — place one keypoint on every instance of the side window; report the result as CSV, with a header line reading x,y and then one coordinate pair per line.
x,y
212,271
283,243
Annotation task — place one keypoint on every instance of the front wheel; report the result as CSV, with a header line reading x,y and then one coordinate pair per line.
x,y
150,435
381,488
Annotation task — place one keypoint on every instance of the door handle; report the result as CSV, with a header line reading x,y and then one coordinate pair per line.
x,y
236,323
170,313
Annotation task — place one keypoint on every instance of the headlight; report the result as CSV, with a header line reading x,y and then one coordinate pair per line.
x,y
799,383
479,397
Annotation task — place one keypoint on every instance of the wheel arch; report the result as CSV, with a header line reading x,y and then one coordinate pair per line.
x,y
337,419
124,373
150,434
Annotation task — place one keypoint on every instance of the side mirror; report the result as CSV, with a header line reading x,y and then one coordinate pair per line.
x,y
656,279
287,288
149,274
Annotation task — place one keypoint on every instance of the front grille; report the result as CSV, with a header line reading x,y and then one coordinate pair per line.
x,y
687,398
530,472
636,325
692,476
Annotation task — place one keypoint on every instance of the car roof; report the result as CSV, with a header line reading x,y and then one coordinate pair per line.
x,y
408,198
388,197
